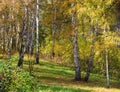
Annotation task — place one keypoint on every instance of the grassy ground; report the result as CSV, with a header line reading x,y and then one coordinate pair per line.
x,y
57,78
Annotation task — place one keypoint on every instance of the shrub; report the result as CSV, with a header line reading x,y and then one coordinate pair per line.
x,y
15,80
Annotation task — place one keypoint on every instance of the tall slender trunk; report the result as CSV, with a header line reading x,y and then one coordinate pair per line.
x,y
32,34
21,54
90,62
107,69
13,41
22,48
8,38
32,25
28,32
91,55
106,61
23,41
37,31
75,44
53,27
76,57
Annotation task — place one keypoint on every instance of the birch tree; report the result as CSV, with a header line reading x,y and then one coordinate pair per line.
x,y
37,31
75,43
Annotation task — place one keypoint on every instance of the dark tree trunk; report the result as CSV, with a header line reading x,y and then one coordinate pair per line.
x,y
21,54
22,49
90,62
23,36
91,54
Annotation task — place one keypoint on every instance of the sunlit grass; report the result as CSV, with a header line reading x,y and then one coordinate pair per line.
x,y
54,77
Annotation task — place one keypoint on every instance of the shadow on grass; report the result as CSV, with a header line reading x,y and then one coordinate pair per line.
x,y
49,73
61,72
43,88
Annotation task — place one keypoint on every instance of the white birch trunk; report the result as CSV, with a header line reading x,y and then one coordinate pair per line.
x,y
107,69
75,44
37,31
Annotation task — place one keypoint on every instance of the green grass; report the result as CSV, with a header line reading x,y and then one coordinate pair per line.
x,y
53,77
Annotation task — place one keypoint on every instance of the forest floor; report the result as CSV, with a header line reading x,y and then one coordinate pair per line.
x,y
54,77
